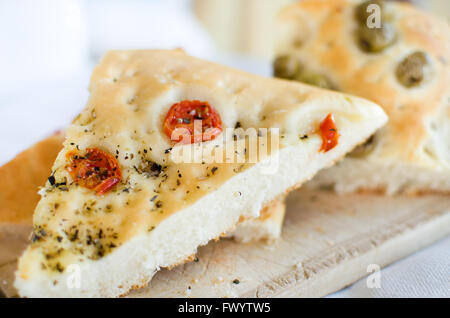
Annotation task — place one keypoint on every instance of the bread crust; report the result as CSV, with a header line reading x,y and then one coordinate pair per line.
x,y
22,177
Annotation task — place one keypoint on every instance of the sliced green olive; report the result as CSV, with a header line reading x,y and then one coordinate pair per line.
x,y
286,67
315,79
361,10
376,39
412,70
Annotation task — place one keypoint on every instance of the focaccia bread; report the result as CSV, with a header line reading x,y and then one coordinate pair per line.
x,y
404,66
28,171
119,205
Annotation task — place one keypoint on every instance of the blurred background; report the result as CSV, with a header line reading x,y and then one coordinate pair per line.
x,y
49,48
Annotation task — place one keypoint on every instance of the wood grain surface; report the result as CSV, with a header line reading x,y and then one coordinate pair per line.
x,y
328,241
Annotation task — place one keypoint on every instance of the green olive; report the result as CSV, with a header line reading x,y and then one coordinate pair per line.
x,y
376,39
412,70
286,67
361,10
315,79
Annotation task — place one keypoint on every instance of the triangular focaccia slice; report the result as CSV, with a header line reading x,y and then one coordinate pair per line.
x,y
403,66
118,207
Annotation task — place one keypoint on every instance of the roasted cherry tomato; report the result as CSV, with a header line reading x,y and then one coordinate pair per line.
x,y
182,116
328,131
96,170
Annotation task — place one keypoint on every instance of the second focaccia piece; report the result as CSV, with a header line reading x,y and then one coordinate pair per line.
x,y
267,227
120,205
404,66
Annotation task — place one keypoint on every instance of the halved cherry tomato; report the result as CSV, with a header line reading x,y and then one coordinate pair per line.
x,y
96,170
328,131
182,116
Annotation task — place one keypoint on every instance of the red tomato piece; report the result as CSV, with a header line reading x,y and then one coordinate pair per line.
x,y
329,133
96,170
181,117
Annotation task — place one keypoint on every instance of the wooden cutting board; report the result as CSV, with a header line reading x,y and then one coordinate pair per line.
x,y
328,242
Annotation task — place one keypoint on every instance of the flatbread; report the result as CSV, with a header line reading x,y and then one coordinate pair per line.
x,y
412,152
152,211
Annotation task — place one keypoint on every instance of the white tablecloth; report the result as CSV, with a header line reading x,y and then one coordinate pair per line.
x,y
423,274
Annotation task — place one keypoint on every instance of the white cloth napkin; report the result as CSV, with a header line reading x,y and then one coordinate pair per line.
x,y
423,274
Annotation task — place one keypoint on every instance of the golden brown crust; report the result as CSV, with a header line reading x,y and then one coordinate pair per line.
x,y
188,259
21,178
321,34
274,205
